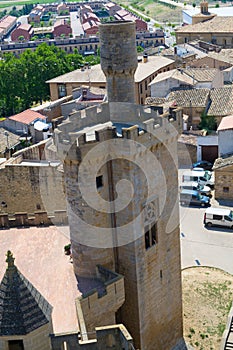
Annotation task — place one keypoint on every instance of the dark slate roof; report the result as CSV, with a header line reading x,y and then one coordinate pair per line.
x,y
22,308
221,101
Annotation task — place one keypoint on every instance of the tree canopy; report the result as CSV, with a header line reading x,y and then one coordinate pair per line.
x,y
23,79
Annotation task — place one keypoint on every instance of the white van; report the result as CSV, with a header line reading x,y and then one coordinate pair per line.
x,y
203,177
218,217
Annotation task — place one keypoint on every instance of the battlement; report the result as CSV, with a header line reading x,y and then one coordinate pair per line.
x,y
114,337
87,126
39,218
95,308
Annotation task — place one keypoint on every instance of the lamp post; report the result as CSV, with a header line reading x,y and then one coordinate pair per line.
x,y
7,139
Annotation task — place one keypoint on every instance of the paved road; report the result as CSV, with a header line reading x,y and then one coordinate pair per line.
x,y
202,246
199,245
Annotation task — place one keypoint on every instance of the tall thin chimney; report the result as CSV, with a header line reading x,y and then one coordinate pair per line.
x,y
118,56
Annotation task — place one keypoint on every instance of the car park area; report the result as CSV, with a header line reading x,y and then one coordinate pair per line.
x,y
204,245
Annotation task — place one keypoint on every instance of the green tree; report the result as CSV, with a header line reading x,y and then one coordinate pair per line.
x,y
207,122
21,38
140,49
23,79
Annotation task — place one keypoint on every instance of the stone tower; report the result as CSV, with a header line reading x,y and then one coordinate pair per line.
x,y
119,60
120,168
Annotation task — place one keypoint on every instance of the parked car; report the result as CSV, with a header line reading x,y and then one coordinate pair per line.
x,y
210,173
203,164
196,186
203,177
191,197
218,217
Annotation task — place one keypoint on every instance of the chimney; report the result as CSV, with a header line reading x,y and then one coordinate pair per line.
x,y
204,7
145,58
118,57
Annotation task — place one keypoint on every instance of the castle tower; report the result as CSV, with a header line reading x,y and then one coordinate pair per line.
x,y
120,168
119,59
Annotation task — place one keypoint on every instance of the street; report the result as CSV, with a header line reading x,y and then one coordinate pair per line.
x,y
201,246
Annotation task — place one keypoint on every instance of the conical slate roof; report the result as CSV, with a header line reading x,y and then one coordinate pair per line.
x,y
22,307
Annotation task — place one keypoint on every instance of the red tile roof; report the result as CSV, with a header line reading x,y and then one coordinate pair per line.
x,y
27,116
25,26
226,123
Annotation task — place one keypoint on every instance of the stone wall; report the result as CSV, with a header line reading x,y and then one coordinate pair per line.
x,y
29,187
114,337
95,310
33,219
224,182
36,340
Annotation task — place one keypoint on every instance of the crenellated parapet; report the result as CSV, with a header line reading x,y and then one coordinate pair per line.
x,y
98,308
87,126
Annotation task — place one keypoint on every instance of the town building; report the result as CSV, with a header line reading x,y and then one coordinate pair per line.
x,y
225,136
7,24
148,68
21,122
223,172
221,103
185,78
22,32
216,31
112,8
36,14
192,101
62,9
222,11
62,28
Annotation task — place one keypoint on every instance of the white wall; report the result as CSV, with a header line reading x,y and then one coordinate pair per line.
x,y
225,140
163,88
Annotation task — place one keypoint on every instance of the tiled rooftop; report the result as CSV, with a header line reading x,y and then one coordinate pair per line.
x,y
201,74
190,98
95,73
226,123
175,74
5,141
215,25
225,55
221,101
27,116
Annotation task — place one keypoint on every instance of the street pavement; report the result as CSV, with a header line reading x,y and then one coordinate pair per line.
x,y
202,246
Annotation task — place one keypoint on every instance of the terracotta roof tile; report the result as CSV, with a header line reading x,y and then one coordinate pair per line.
x,y
195,97
201,74
27,116
215,25
221,101
226,123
